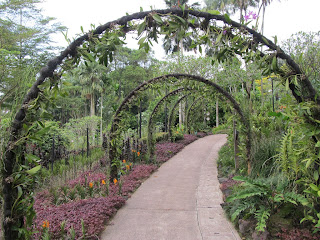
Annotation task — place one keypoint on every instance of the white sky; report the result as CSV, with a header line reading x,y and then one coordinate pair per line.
x,y
282,18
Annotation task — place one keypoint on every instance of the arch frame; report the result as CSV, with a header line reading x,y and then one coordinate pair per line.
x,y
10,193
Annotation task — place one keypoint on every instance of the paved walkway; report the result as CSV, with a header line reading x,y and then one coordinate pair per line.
x,y
179,201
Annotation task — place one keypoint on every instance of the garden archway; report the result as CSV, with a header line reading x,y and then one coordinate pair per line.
x,y
151,19
145,85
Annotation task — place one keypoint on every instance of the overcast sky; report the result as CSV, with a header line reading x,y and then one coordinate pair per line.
x,y
282,18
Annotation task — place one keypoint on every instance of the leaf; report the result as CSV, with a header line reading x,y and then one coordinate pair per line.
x,y
183,21
214,12
141,41
141,27
309,161
274,114
265,40
219,38
43,131
157,18
227,18
89,57
34,170
287,84
20,192
183,7
244,195
240,178
274,63
314,187
32,158
275,40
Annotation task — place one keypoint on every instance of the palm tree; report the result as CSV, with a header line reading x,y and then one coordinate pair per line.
x,y
231,6
91,77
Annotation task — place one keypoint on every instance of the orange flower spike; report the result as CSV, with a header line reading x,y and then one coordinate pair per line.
x,y
45,224
103,182
128,167
138,153
124,161
115,181
91,185
130,164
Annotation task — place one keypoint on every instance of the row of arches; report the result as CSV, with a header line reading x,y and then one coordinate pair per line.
x,y
13,155
134,94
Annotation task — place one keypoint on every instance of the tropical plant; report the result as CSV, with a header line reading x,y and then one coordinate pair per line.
x,y
261,197
92,76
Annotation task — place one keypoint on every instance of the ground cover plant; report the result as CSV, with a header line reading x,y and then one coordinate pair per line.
x,y
81,207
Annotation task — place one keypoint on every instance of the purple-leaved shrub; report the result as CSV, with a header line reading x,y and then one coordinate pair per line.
x,y
96,211
93,211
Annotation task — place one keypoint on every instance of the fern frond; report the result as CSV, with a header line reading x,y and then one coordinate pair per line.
x,y
295,198
262,215
246,193
240,208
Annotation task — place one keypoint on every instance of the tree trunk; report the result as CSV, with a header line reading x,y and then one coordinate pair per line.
x,y
217,112
92,105
235,146
140,120
180,115
261,91
101,106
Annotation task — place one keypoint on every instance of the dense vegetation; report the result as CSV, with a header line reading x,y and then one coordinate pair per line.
x,y
84,136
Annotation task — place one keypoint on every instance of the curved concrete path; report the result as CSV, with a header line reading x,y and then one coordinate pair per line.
x,y
179,201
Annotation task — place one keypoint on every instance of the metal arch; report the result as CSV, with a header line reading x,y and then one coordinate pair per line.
x,y
150,142
179,76
47,71
172,112
188,112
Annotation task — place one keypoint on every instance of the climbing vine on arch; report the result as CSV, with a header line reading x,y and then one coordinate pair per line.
x,y
230,38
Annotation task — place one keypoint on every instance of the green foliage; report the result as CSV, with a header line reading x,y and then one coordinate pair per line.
x,y
304,48
64,169
264,153
176,136
298,152
221,129
76,129
261,197
226,160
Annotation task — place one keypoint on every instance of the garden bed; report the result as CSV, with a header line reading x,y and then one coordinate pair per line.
x,y
85,204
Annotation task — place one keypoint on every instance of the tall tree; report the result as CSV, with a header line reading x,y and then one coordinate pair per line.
x,y
24,43
91,76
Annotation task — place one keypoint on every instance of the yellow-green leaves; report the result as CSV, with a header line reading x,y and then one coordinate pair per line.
x,y
214,12
227,18
34,170
219,37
